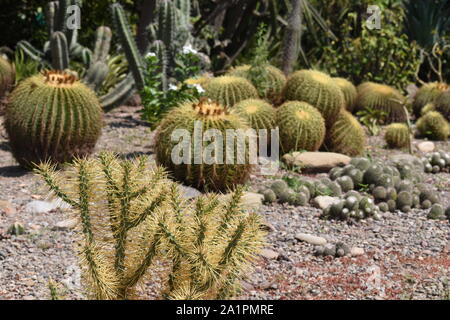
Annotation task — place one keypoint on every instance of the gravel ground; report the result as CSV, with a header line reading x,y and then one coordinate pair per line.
x,y
406,255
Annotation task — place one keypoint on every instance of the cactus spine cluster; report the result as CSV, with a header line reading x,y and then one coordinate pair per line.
x,y
398,135
52,116
427,94
433,126
270,87
228,90
442,104
317,89
349,91
302,127
131,218
7,76
346,136
374,96
218,175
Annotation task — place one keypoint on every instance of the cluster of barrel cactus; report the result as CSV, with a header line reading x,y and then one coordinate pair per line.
x,y
436,162
427,95
229,90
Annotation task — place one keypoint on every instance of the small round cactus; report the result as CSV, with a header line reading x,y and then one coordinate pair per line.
x,y
346,136
442,104
7,76
269,196
52,117
301,127
428,108
270,87
374,96
433,126
427,95
404,199
437,212
279,187
346,183
349,91
228,91
258,114
317,89
397,136
191,118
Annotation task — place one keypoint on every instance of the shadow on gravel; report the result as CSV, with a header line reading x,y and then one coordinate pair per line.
x,y
133,155
13,172
127,122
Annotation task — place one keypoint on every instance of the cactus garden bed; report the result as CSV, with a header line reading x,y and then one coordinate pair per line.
x,y
394,255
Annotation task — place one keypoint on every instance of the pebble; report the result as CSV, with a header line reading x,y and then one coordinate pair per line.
x,y
269,254
311,239
426,146
355,251
323,202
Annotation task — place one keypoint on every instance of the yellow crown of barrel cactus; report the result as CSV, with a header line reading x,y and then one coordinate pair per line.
x,y
346,136
442,104
7,76
397,135
349,91
228,91
427,94
433,126
218,176
258,113
317,89
52,116
374,96
302,127
270,87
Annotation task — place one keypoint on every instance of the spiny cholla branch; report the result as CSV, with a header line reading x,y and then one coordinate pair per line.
x,y
131,216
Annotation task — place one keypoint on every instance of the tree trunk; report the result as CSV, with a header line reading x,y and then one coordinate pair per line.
x,y
292,40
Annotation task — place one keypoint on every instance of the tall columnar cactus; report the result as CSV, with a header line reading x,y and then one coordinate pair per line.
x,y
302,127
52,116
60,51
374,96
317,89
427,94
433,126
228,91
217,173
346,136
270,87
349,91
442,104
132,221
398,135
7,76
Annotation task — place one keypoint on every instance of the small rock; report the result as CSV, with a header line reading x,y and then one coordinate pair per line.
x,y
252,201
37,206
316,161
426,146
7,208
66,225
329,250
269,254
318,241
189,192
323,202
355,251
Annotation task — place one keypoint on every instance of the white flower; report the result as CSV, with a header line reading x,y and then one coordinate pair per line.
x,y
199,88
189,49
150,54
173,87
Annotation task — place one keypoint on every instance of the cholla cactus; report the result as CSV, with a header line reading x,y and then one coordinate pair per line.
x,y
131,216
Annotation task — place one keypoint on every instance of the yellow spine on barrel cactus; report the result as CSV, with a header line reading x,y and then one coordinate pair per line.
x,y
349,91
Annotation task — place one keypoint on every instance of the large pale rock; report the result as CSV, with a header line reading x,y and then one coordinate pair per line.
x,y
189,192
269,254
426,147
66,224
323,202
316,161
250,201
318,241
38,206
